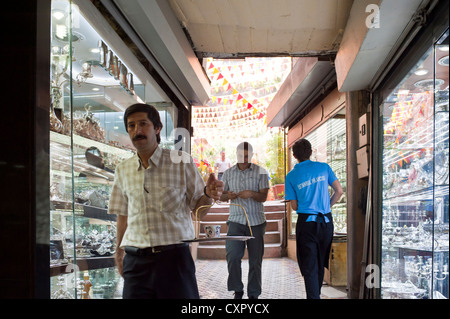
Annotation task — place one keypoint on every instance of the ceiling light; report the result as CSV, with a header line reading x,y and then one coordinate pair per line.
x,y
95,50
429,84
421,72
61,31
95,89
444,61
58,15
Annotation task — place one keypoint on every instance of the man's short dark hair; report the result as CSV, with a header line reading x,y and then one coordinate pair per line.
x,y
302,150
152,114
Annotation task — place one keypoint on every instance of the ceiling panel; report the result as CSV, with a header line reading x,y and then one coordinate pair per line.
x,y
271,27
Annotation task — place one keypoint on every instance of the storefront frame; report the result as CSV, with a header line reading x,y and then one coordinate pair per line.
x,y
434,27
24,140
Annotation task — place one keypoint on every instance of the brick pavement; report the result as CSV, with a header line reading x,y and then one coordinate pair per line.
x,y
281,280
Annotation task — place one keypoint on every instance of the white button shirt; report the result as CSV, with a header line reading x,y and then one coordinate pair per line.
x,y
158,200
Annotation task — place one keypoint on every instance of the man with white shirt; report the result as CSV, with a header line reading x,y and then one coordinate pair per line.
x,y
222,165
153,197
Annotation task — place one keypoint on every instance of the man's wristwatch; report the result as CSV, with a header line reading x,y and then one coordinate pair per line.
x,y
204,191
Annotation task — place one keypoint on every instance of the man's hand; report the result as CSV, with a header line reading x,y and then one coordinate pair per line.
x,y
260,196
245,194
119,260
214,187
232,195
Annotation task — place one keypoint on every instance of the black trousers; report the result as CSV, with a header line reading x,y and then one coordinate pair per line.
x,y
313,250
163,275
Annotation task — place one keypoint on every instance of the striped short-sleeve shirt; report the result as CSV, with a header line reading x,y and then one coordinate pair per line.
x,y
158,200
253,178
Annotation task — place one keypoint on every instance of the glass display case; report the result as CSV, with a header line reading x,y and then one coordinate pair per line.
x,y
329,145
415,195
90,88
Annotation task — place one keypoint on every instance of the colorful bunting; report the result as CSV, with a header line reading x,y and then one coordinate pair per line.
x,y
229,107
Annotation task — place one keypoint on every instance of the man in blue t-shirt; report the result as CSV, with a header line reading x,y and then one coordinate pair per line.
x,y
306,187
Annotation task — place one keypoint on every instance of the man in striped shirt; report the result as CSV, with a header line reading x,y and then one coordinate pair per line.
x,y
153,195
245,184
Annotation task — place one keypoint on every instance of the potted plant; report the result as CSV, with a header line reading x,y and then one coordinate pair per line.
x,y
277,186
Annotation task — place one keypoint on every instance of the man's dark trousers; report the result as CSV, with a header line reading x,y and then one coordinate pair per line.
x,y
235,253
313,250
163,275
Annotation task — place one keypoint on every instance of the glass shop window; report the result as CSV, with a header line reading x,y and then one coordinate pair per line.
x,y
415,203
90,89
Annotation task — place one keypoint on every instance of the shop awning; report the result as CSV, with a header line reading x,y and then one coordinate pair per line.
x,y
368,50
310,79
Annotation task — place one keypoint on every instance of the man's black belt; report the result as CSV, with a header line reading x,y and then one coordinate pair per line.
x,y
151,250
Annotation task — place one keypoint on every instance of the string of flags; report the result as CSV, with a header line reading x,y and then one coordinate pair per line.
x,y
231,107
238,97
408,113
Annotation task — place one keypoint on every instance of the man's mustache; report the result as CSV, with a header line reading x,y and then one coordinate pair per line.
x,y
138,137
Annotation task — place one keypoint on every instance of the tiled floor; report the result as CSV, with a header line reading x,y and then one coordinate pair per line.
x,y
281,280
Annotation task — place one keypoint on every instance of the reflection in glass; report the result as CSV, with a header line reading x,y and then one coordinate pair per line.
x,y
415,183
87,142
439,267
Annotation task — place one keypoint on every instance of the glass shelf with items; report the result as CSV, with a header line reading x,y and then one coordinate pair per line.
x,y
415,194
82,232
91,86
94,238
79,243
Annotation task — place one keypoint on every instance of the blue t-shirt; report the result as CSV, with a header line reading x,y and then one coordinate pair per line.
x,y
308,184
